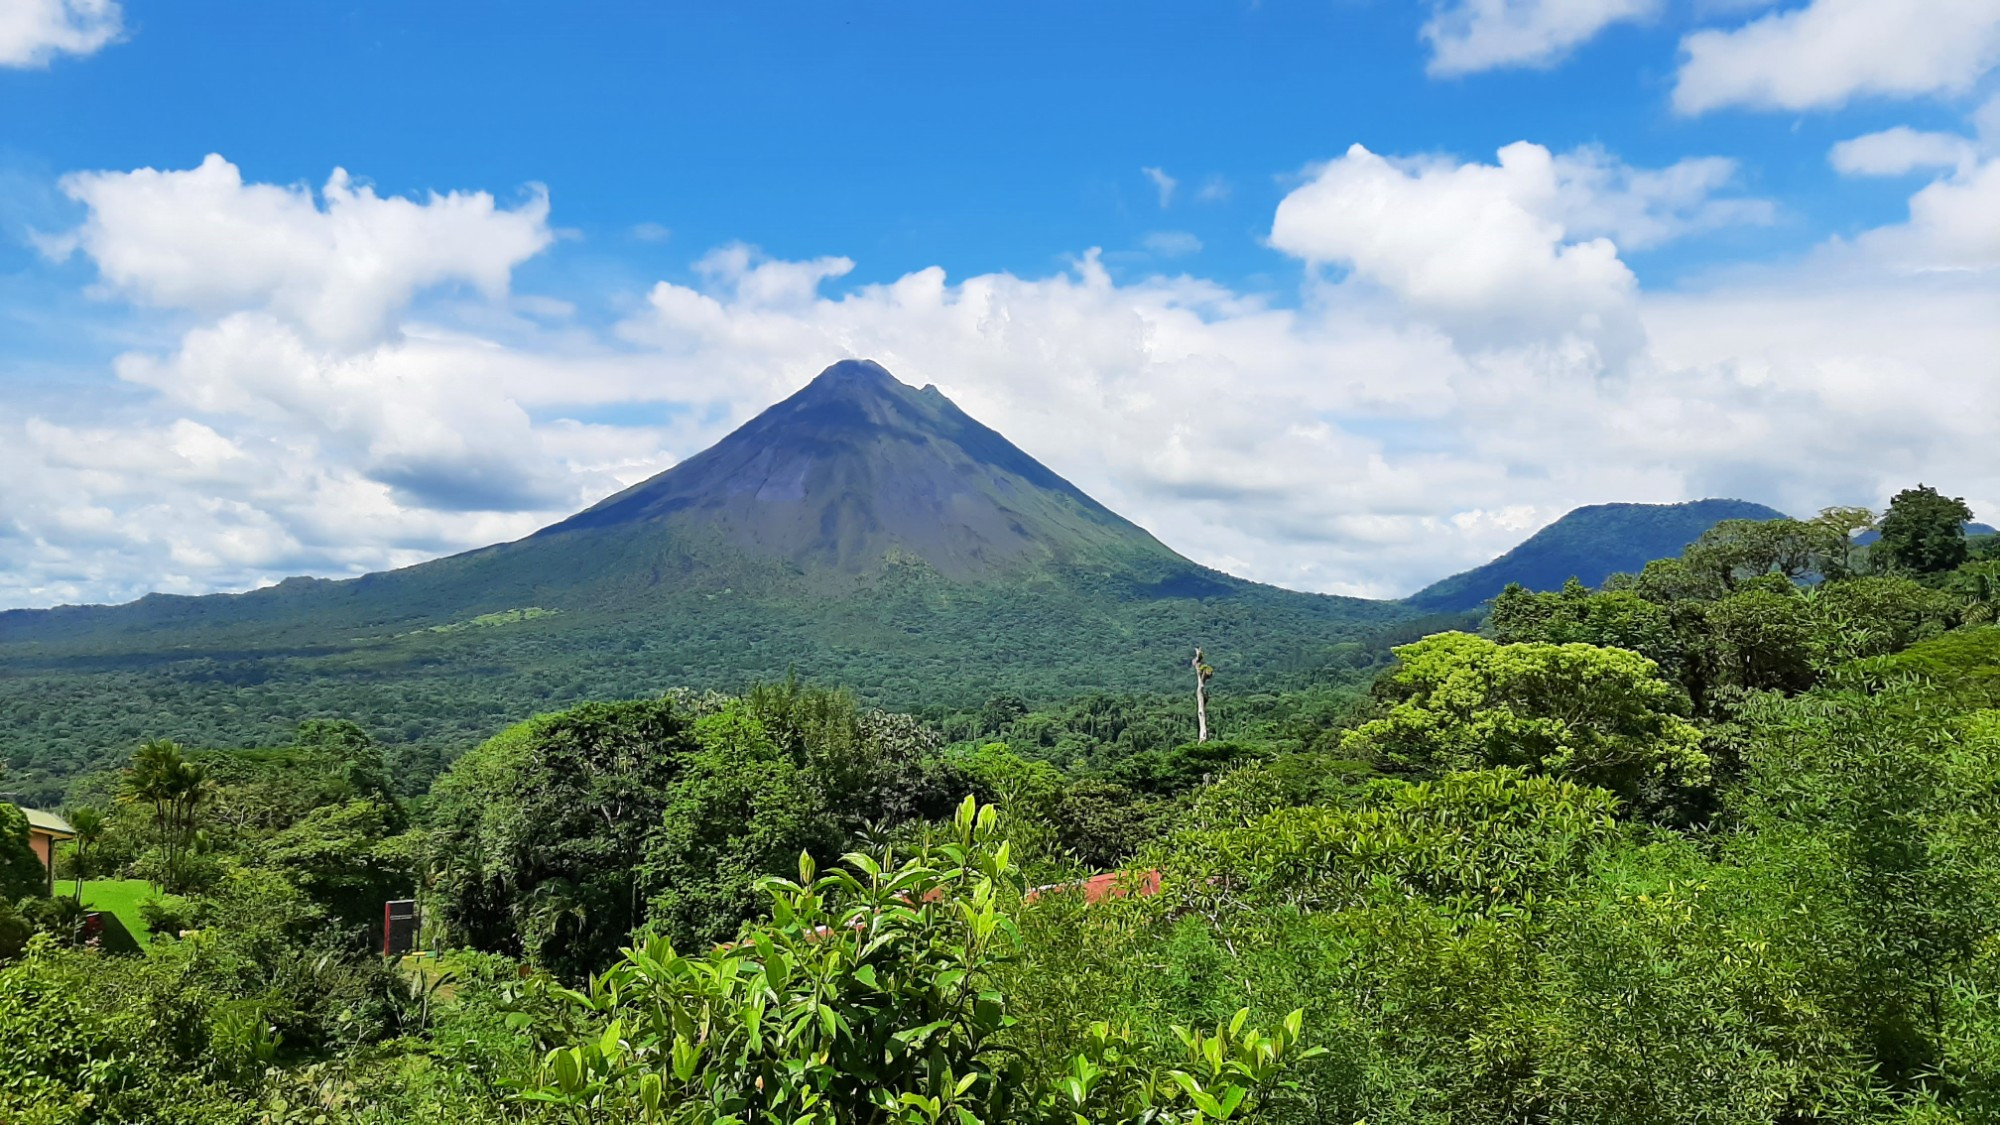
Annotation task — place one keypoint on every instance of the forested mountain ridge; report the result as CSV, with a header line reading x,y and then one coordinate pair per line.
x,y
1589,544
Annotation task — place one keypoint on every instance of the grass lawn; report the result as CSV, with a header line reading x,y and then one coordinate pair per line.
x,y
119,896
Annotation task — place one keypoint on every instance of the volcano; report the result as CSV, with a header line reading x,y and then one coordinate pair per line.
x,y
859,469
861,532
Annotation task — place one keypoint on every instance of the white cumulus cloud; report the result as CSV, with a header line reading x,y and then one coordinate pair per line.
x,y
1954,224
1478,247
341,266
1899,151
1829,52
34,32
1523,249
1474,35
1414,417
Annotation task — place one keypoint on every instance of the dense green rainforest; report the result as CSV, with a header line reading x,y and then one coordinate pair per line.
x,y
1718,841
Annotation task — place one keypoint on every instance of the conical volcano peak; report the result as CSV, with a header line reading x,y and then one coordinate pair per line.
x,y
856,374
853,391
857,468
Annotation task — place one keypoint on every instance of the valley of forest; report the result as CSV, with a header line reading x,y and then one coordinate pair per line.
x,y
1715,838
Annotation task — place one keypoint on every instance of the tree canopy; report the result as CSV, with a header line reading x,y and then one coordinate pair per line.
x,y
1598,716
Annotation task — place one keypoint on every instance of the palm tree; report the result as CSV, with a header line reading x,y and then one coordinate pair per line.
x,y
175,787
88,824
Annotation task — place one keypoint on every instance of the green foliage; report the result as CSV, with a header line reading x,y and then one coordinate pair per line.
x,y
184,1033
740,809
1878,810
1923,532
342,857
1598,716
21,870
1614,619
1760,636
558,838
15,930
870,997
77,693
1964,663
1875,615
1735,550
1466,841
176,789
1729,616
539,834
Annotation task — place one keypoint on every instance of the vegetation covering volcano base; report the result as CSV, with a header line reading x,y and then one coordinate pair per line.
x,y
862,532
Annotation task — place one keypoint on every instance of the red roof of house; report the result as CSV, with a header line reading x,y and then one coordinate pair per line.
x,y
1111,884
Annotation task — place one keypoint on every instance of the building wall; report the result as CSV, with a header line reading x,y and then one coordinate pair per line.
x,y
45,850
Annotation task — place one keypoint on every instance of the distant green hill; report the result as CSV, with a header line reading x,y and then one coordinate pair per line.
x,y
861,532
1589,544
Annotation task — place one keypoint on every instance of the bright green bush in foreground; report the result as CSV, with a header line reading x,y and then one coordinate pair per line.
x,y
871,996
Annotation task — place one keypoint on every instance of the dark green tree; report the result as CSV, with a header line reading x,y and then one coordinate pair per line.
x,y
1000,711
1734,550
537,836
336,855
741,809
1923,532
21,871
788,768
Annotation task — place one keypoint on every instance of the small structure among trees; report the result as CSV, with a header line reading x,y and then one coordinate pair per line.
x,y
1202,674
45,831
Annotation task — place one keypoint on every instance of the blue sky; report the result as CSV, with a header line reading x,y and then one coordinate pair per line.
x,y
1158,250
900,135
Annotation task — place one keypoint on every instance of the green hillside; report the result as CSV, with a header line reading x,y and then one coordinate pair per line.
x,y
910,638
1589,544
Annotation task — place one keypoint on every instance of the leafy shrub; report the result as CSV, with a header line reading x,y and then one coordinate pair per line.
x,y
870,996
167,915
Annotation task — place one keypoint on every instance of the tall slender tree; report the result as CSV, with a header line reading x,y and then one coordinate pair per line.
x,y
1202,674
88,824
1838,526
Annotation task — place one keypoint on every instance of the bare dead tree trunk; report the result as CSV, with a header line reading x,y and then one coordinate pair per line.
x,y
1201,674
